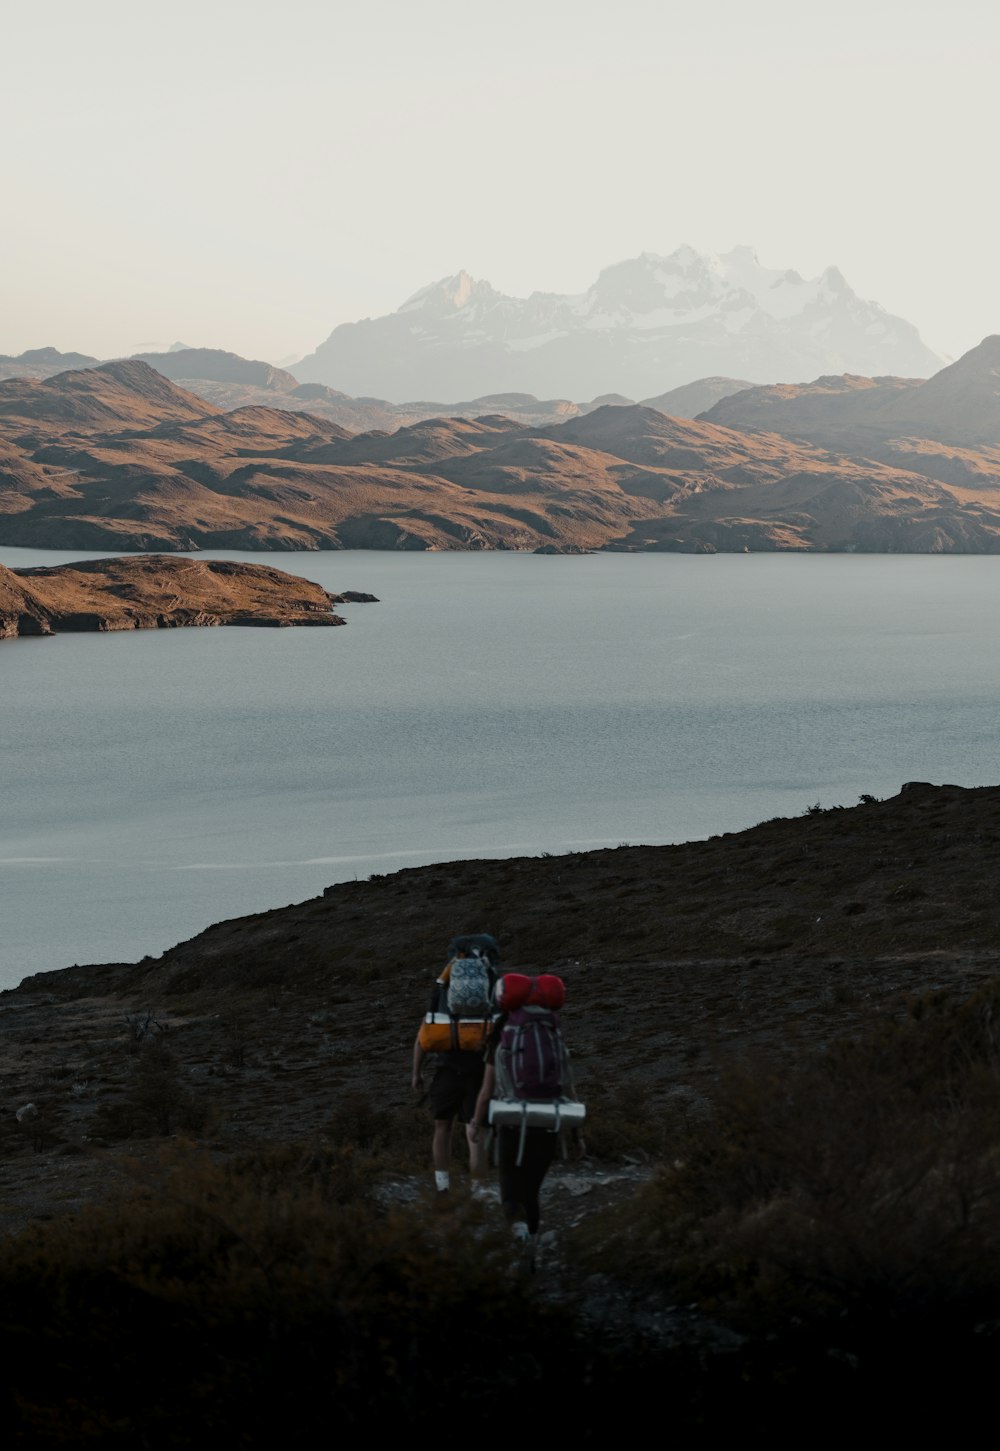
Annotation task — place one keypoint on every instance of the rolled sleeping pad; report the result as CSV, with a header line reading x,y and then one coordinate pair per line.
x,y
555,1114
551,1115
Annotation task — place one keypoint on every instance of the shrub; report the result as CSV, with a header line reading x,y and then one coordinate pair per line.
x,y
140,1027
265,1302
866,1183
360,1122
619,1124
156,1100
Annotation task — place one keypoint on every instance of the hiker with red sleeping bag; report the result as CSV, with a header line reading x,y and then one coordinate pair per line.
x,y
527,1094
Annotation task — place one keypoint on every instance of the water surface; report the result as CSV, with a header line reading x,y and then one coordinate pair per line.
x,y
491,704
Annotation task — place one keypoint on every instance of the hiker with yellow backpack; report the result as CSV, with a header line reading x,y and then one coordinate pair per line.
x,y
453,1035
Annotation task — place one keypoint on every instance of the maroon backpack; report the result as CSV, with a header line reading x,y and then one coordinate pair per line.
x,y
532,1064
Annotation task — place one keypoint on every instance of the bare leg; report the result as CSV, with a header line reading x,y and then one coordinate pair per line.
x,y
478,1162
441,1145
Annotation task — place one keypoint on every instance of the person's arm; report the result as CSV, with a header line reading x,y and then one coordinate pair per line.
x,y
481,1116
417,1081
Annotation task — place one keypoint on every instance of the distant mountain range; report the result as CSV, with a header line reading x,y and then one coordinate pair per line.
x,y
644,330
42,363
120,457
229,381
645,325
217,366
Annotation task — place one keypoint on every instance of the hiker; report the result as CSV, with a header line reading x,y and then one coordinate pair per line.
x,y
454,1034
527,1076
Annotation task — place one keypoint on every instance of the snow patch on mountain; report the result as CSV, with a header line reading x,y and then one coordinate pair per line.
x,y
648,323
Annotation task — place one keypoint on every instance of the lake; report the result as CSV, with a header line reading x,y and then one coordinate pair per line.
x,y
492,704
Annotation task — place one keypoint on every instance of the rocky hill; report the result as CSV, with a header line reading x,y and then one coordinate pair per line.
x,y
365,414
960,405
115,397
692,399
120,457
646,324
41,363
217,366
154,592
229,381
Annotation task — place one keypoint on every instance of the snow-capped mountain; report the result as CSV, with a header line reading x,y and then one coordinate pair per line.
x,y
646,325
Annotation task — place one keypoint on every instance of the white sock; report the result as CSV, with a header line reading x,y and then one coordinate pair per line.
x,y
442,1179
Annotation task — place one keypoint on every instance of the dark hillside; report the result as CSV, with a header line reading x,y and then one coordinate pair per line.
x,y
776,938
786,1039
909,876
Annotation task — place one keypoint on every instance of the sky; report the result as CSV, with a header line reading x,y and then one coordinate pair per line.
x,y
247,176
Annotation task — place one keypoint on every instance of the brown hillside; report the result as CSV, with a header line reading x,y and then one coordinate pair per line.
x,y
119,457
216,365
361,415
691,399
960,405
112,397
109,398
830,411
256,430
229,381
428,442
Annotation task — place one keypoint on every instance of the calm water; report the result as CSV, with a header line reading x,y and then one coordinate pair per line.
x,y
501,704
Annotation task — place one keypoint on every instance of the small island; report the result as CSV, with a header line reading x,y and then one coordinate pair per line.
x,y
152,592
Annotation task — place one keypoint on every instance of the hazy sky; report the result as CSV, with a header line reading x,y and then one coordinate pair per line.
x,y
249,175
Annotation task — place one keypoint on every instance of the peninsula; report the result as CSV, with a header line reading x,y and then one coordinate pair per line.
x,y
156,592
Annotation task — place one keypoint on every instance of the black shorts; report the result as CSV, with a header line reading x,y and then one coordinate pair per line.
x,y
455,1086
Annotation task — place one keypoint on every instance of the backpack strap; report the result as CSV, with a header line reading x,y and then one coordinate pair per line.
x,y
524,1135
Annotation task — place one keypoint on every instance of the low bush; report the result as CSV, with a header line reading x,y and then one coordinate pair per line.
x,y
399,1138
265,1302
866,1184
619,1125
156,1100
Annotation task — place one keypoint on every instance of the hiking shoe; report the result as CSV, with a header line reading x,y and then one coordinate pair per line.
x,y
544,1245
